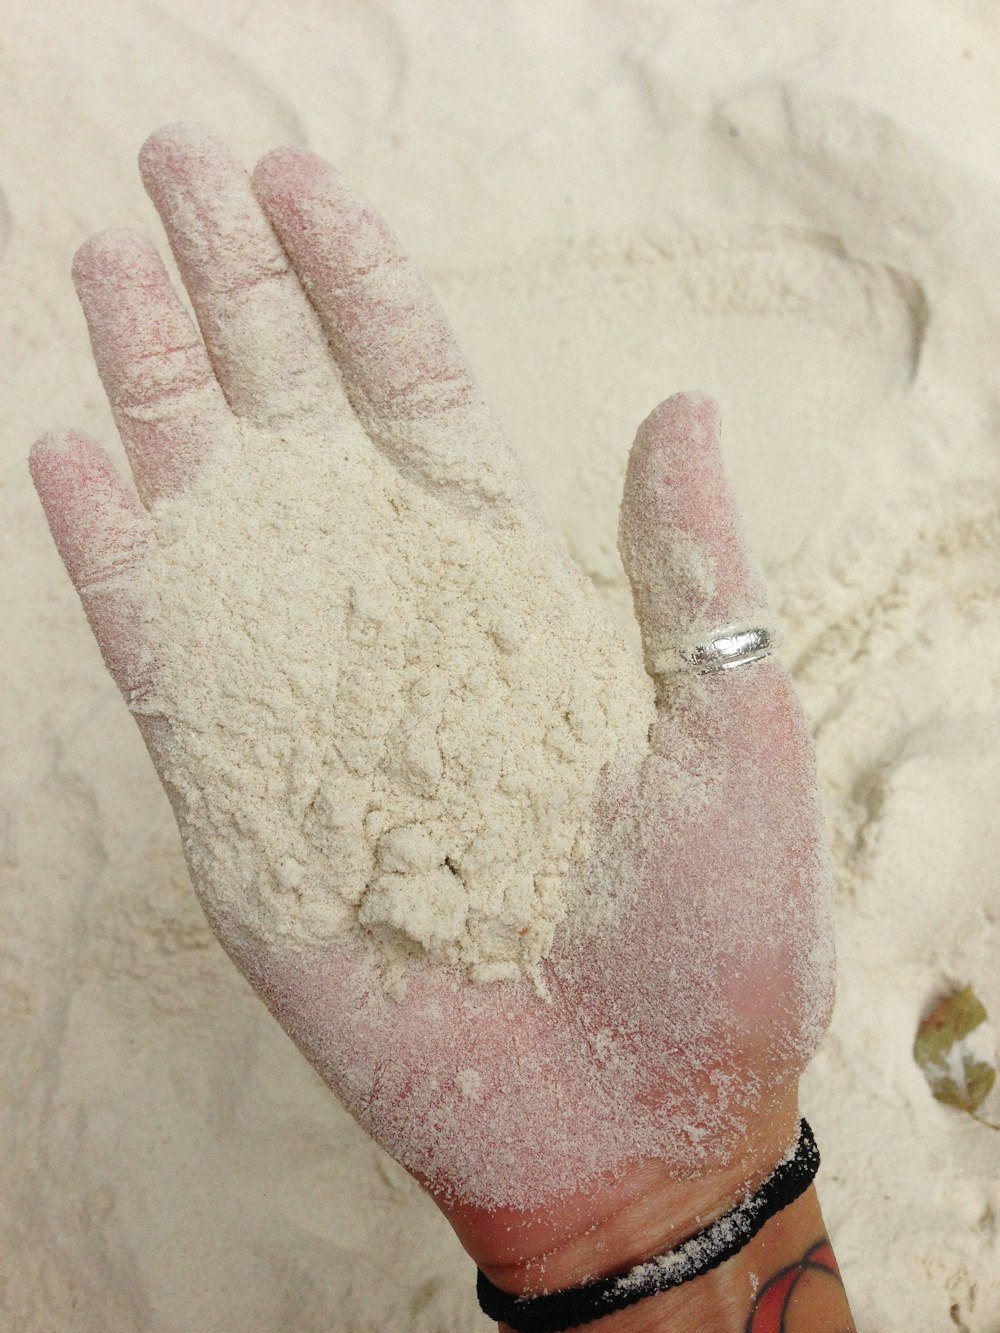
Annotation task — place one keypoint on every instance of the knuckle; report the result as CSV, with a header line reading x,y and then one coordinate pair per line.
x,y
161,379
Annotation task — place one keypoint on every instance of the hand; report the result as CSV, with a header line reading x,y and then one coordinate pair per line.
x,y
668,1037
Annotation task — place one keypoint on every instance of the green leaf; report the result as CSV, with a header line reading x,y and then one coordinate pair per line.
x,y
956,1076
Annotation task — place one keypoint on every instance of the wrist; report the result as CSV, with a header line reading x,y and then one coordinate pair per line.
x,y
643,1212
783,1277
785,1280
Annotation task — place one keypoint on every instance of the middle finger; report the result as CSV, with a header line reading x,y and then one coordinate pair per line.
x,y
265,341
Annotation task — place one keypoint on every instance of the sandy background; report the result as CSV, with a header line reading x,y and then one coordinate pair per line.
x,y
793,207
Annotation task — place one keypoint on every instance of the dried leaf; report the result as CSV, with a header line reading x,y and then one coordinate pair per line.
x,y
956,1075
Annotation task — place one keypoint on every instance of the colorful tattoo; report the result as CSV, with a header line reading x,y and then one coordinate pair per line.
x,y
775,1311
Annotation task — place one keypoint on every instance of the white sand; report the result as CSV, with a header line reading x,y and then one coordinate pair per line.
x,y
796,209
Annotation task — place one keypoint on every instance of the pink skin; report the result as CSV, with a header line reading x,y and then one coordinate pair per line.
x,y
696,986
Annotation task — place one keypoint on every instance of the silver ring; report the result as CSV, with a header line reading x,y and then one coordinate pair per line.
x,y
732,649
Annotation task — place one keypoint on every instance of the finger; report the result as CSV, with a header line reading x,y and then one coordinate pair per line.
x,y
103,535
401,367
163,392
263,337
681,540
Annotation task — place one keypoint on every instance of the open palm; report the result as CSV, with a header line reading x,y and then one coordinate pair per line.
x,y
692,979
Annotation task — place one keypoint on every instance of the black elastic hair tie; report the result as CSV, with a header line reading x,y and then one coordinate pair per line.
x,y
702,1252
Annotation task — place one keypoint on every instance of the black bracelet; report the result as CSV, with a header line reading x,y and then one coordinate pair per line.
x,y
706,1250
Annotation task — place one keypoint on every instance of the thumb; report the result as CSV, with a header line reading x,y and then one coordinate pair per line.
x,y
681,540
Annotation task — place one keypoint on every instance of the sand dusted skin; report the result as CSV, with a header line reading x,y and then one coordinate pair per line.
x,y
388,690
413,764
400,707
792,207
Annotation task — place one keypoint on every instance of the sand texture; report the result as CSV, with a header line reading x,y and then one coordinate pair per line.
x,y
794,209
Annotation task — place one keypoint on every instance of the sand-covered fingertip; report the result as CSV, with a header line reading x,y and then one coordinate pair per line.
x,y
96,521
72,472
52,445
283,173
169,144
110,254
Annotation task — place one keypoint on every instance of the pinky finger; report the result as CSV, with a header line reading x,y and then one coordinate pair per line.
x,y
103,535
